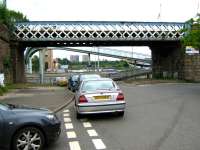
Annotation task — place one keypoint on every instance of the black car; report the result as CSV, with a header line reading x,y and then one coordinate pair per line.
x,y
72,82
26,128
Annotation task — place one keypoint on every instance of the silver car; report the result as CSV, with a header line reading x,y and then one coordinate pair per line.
x,y
99,96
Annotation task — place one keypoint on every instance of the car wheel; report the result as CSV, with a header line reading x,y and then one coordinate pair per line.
x,y
29,138
121,114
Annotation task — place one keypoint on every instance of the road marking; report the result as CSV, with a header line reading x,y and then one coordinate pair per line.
x,y
71,134
92,132
69,126
67,120
74,145
66,115
66,111
98,143
87,124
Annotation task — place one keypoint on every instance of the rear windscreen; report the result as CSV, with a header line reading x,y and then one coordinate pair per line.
x,y
97,85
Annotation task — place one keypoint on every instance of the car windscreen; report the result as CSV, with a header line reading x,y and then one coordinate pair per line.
x,y
97,85
4,106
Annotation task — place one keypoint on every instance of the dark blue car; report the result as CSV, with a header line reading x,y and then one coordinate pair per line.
x,y
72,82
26,128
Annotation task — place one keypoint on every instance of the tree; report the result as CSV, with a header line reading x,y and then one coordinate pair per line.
x,y
63,61
192,33
35,63
8,17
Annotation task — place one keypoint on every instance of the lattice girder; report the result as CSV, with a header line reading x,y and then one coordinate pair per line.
x,y
97,31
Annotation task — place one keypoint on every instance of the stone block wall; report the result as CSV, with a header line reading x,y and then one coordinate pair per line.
x,y
192,68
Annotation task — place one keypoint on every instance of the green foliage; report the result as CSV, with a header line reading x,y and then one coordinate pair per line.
x,y
7,62
3,90
192,33
35,63
63,61
8,17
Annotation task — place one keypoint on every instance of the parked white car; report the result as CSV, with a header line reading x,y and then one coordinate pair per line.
x,y
101,95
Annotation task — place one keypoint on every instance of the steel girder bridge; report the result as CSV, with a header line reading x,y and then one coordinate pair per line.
x,y
87,33
36,34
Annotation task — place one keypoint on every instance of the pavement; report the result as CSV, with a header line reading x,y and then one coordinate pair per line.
x,y
157,117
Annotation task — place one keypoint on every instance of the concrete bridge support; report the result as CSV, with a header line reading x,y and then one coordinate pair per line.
x,y
29,66
41,59
167,61
17,53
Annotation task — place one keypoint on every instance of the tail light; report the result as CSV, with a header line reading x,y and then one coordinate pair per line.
x,y
120,97
82,99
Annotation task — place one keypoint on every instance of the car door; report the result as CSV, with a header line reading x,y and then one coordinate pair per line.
x,y
1,124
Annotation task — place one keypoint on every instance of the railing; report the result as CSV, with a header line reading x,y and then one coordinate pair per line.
x,y
97,31
50,77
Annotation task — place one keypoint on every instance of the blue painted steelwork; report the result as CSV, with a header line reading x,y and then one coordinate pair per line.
x,y
98,31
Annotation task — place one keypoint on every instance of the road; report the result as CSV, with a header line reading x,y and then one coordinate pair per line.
x,y
158,117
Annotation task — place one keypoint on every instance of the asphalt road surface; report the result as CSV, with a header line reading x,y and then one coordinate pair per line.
x,y
157,117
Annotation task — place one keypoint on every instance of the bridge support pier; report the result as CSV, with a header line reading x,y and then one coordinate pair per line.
x,y
17,53
167,61
29,66
89,62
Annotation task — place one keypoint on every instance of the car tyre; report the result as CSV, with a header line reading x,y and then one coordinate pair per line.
x,y
79,116
28,138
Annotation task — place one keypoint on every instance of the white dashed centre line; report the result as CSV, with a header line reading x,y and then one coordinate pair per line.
x,y
92,132
71,134
74,145
69,126
98,143
87,124
66,111
67,120
66,115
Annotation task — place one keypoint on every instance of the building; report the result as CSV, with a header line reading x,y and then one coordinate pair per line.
x,y
48,59
85,58
74,58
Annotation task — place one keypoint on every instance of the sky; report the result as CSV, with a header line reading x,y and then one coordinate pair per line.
x,y
106,10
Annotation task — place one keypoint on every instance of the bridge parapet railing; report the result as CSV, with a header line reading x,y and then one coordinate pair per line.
x,y
87,30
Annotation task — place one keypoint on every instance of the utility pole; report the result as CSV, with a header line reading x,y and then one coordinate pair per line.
x,y
41,55
160,12
98,60
198,8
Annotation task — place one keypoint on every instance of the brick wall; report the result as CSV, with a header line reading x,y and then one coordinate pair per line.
x,y
192,68
4,51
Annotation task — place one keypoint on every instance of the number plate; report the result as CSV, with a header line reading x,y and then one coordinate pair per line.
x,y
103,97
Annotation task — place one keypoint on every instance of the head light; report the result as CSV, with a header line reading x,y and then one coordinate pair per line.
x,y
51,117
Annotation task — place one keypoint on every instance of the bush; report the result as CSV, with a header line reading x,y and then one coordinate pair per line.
x,y
3,90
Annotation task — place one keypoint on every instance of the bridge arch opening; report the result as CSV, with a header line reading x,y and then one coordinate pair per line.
x,y
134,56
